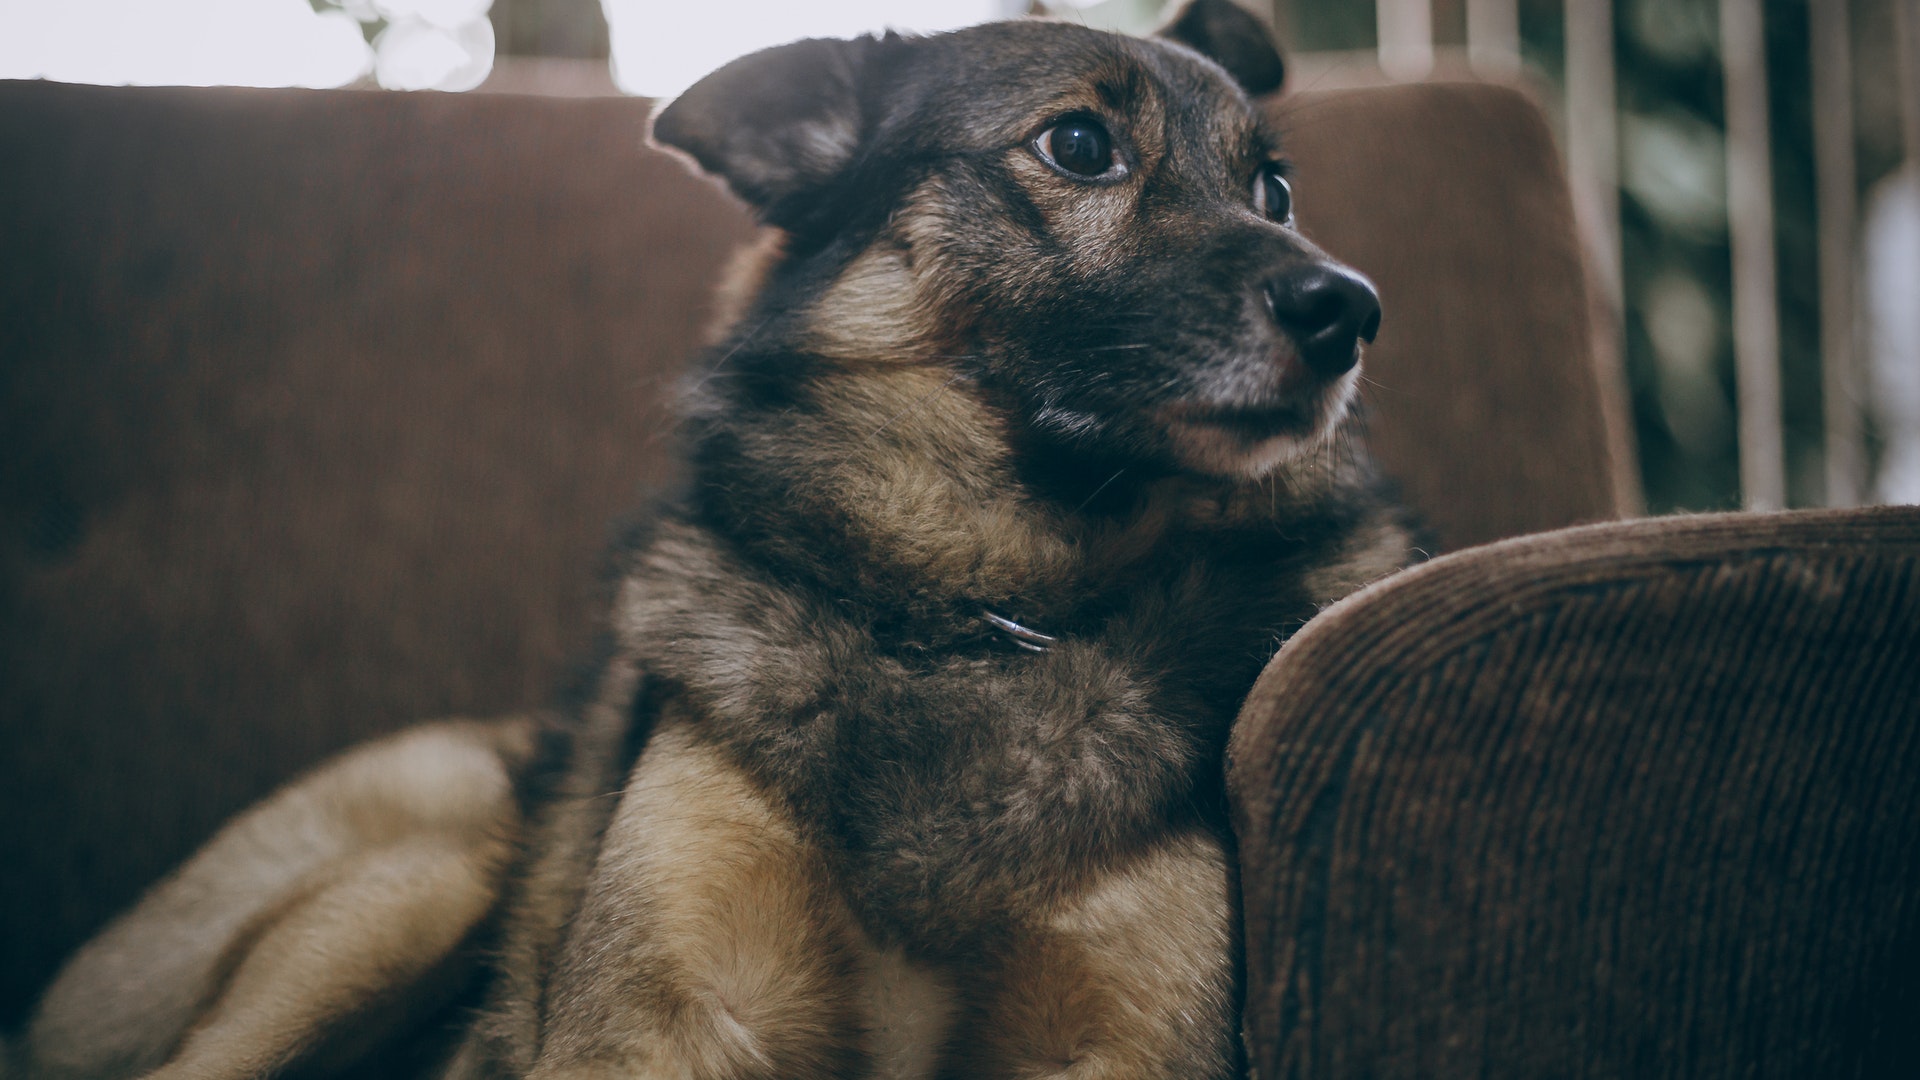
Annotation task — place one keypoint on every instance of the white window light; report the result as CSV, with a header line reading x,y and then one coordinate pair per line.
x,y
181,42
661,47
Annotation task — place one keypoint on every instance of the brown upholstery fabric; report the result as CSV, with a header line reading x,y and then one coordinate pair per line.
x,y
317,409
1486,401
1632,800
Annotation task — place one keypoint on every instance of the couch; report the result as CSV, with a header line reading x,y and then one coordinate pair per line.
x,y
318,406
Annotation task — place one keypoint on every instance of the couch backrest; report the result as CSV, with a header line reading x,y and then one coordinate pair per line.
x,y
1630,800
315,408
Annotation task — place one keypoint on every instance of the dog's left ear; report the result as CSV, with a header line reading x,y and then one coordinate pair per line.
x,y
777,123
1230,36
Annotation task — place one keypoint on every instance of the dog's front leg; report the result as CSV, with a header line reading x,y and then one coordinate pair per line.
x,y
709,942
1132,979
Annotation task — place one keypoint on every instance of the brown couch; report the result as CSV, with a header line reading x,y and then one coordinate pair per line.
x,y
317,406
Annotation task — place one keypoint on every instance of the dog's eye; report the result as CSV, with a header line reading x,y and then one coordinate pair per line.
x,y
1078,145
1272,195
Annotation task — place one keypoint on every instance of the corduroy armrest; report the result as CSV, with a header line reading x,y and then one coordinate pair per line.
x,y
1625,800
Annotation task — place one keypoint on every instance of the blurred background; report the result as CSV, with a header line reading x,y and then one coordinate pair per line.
x,y
1747,171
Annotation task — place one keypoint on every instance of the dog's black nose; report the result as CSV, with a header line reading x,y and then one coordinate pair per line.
x,y
1327,309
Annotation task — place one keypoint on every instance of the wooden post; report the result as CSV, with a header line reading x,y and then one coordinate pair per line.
x,y
1756,329
1593,134
1405,37
574,28
1834,196
1493,37
1280,14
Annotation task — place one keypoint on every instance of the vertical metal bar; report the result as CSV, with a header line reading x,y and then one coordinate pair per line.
x,y
1756,329
1593,168
1593,133
1891,366
1906,26
1834,196
1405,37
1896,412
1493,37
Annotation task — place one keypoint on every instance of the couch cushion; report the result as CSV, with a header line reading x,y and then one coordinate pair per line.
x,y
1630,800
317,409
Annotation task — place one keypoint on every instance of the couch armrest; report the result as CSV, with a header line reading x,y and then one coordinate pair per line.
x,y
1624,800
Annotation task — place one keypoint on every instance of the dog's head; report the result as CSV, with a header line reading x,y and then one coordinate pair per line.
x,y
1099,229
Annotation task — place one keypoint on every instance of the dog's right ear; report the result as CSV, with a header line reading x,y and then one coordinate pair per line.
x,y
777,123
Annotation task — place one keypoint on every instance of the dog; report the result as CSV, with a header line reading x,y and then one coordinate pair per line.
x,y
1025,445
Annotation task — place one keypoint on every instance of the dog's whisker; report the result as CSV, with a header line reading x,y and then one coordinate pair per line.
x,y
679,419
665,430
1084,503
714,368
1291,103
1376,383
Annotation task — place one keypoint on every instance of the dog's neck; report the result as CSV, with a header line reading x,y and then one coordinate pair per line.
x,y
913,498
905,489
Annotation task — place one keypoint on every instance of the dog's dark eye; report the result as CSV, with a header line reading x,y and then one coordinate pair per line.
x,y
1272,195
1079,145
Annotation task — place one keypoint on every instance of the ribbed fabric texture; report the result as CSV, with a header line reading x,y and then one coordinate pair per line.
x,y
1632,800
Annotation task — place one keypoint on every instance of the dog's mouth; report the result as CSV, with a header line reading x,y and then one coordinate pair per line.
x,y
1248,423
1250,439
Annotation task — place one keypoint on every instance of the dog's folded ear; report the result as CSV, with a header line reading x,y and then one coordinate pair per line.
x,y
776,123
1232,37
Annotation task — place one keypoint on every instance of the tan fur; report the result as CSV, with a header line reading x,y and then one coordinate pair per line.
x,y
363,875
741,278
710,943
935,494
743,968
1209,450
909,1009
1114,982
1372,552
563,842
875,311
909,445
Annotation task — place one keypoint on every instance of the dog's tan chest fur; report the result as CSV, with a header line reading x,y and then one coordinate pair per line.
x,y
908,1011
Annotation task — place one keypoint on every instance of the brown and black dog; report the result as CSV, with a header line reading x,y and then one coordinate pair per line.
x,y
1022,453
